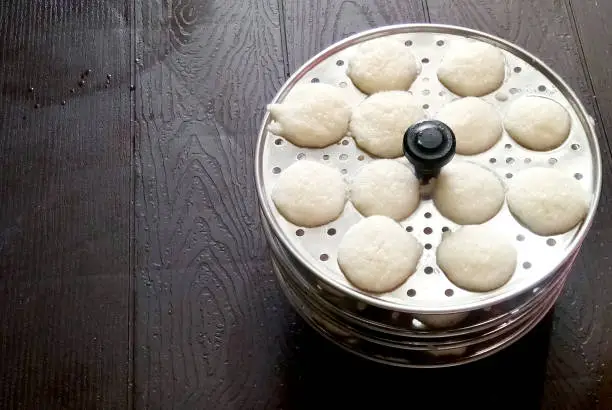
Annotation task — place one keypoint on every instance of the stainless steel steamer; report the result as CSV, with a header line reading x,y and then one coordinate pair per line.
x,y
399,327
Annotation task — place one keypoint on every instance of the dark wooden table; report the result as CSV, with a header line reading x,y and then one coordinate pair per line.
x,y
133,270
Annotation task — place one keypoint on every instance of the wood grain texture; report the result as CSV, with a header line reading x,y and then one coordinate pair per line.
x,y
592,20
578,354
211,324
212,330
312,25
65,214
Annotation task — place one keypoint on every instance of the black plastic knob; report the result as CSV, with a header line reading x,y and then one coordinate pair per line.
x,y
429,145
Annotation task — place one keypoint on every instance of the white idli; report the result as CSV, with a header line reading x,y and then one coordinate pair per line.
x,y
377,255
456,351
477,258
382,64
378,124
310,194
537,123
442,321
472,68
313,115
385,187
476,124
547,201
467,193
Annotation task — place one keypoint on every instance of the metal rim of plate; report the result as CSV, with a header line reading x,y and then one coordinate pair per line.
x,y
406,342
336,332
416,357
538,260
446,338
391,323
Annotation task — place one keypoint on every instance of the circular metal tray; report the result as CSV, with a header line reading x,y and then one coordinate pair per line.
x,y
397,324
525,75
452,338
437,356
407,340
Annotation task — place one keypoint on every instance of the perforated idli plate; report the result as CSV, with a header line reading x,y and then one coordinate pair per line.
x,y
428,290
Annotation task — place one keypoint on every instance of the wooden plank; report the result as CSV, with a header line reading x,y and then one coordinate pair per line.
x,y
65,218
312,25
592,20
579,352
211,324
592,25
213,330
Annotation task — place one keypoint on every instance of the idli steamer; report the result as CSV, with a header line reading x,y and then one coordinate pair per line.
x,y
386,327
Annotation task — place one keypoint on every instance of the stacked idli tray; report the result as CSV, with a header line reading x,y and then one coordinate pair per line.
x,y
424,190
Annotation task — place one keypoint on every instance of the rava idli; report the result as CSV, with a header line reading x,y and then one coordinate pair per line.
x,y
476,124
467,193
382,64
547,201
377,255
537,123
378,124
310,194
385,187
477,258
472,68
313,115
